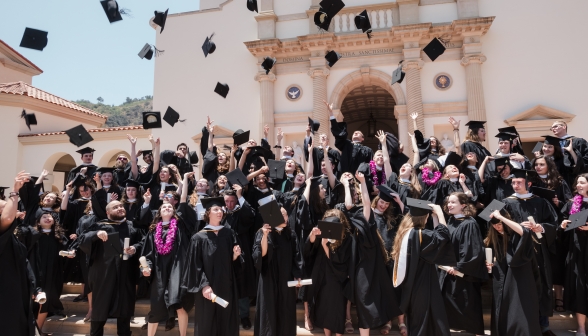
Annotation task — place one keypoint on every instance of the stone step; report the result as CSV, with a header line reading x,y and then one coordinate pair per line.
x,y
558,332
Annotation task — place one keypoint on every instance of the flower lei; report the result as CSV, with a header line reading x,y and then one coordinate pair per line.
x,y
375,173
430,181
166,248
576,204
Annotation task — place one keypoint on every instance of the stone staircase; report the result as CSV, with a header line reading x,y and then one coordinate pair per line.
x,y
74,325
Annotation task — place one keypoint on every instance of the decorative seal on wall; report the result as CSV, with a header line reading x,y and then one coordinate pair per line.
x,y
442,81
294,92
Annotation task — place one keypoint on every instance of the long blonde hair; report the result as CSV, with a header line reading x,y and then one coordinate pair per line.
x,y
472,136
388,214
407,223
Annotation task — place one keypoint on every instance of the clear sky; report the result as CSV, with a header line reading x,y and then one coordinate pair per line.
x,y
86,56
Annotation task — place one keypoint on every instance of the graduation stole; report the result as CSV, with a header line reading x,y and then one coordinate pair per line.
x,y
166,248
401,263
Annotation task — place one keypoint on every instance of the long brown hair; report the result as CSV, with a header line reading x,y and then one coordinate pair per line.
x,y
574,190
554,179
223,168
157,218
56,229
440,148
493,238
55,206
472,136
417,189
346,226
469,210
407,223
388,214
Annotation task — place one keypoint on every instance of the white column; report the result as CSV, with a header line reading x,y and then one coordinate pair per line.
x,y
266,95
414,97
475,88
319,95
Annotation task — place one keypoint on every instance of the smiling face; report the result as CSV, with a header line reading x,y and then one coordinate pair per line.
x,y
451,171
548,149
164,174
322,191
405,170
453,205
382,205
504,173
582,186
498,227
541,166
433,142
299,179
221,182
357,136
261,181
482,134
504,146
49,200
46,221
115,211
166,211
131,192
472,158
106,179
202,186
148,158
290,166
379,158
85,192
222,158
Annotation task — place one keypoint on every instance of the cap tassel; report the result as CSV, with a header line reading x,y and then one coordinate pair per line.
x,y
125,12
369,34
158,52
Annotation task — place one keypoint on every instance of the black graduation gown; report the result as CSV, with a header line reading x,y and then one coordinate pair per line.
x,y
475,147
184,166
30,200
352,155
240,221
318,156
100,200
543,213
514,288
463,296
422,302
111,279
404,189
89,173
276,302
209,168
373,292
330,290
122,175
497,188
210,263
576,268
16,314
71,267
166,270
84,224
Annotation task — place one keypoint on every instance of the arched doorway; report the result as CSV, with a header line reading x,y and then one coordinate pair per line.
x,y
369,103
60,169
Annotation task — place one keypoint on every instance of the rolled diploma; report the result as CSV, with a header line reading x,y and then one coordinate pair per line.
x,y
304,282
143,262
539,235
163,185
489,257
127,243
446,268
219,301
108,197
66,253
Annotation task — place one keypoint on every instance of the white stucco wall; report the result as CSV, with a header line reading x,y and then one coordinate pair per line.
x,y
8,75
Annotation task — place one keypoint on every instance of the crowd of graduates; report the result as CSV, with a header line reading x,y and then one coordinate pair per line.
x,y
406,237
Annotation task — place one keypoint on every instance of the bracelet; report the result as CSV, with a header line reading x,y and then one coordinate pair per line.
x,y
13,193
456,129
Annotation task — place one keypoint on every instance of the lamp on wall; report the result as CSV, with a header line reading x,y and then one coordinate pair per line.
x,y
371,123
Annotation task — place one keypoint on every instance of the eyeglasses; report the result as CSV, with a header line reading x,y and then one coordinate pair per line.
x,y
555,126
201,184
168,196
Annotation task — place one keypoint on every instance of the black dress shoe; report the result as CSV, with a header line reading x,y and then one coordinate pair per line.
x,y
549,333
79,298
144,326
170,324
246,323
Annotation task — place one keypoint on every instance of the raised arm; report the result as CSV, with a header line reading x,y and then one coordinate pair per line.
x,y
307,189
44,174
348,199
232,162
572,152
416,157
243,158
365,196
414,116
329,168
278,146
261,170
65,199
310,162
482,168
210,128
134,168
438,216
456,140
155,145
11,207
184,195
516,227
382,138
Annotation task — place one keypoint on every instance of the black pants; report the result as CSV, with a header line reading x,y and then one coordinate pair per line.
x,y
123,327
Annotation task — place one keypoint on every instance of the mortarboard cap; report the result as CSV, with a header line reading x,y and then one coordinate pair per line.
x,y
503,136
151,120
260,151
2,189
418,207
171,116
362,21
331,7
34,39
132,184
208,47
103,170
453,159
331,228
147,152
268,64
397,75
193,157
252,5
160,18
209,202
30,118
386,193
112,246
551,140
501,161
548,194
170,188
509,129
434,49
523,173
271,214
222,89
538,147
111,9
146,52
86,150
79,181
314,125
277,169
236,176
322,20
493,206
79,136
399,160
474,125
240,137
332,57
578,219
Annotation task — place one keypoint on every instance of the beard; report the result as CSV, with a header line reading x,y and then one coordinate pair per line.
x,y
117,217
119,164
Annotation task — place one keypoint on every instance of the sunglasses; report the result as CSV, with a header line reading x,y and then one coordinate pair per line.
x,y
168,196
122,159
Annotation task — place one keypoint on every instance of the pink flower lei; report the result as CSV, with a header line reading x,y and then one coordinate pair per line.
x,y
426,176
375,174
166,248
576,204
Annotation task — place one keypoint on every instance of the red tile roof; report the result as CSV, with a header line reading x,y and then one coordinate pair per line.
x,y
92,130
21,56
24,89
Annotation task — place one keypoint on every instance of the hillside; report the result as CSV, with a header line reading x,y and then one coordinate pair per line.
x,y
126,114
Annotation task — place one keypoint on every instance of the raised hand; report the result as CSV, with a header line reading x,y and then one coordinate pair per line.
x,y
360,177
147,196
113,197
132,140
381,136
462,178
266,229
83,171
454,123
236,252
265,131
329,107
280,134
414,115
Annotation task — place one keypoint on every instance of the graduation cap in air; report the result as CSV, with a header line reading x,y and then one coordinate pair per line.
x,y
209,202
268,64
331,228
86,150
578,219
132,184
332,57
418,207
79,136
222,89
538,147
434,49
551,140
548,194
240,137
172,117
505,136
260,151
30,118
208,47
160,18
398,74
399,160
493,206
322,20
113,12
314,125
151,120
475,125
236,176
331,7
453,159
170,188
277,169
509,130
34,39
148,51
362,21
271,213
252,5
385,193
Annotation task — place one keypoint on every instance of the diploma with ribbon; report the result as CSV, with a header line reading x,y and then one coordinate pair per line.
x,y
446,269
532,220
219,301
304,282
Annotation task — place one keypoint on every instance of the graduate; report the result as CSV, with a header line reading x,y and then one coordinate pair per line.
x,y
415,252
565,158
132,202
220,186
330,276
514,278
506,145
122,169
402,183
165,248
107,190
87,155
182,158
473,141
576,272
578,145
463,295
277,258
112,279
36,203
327,178
426,175
167,178
84,224
211,272
499,185
318,152
216,162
